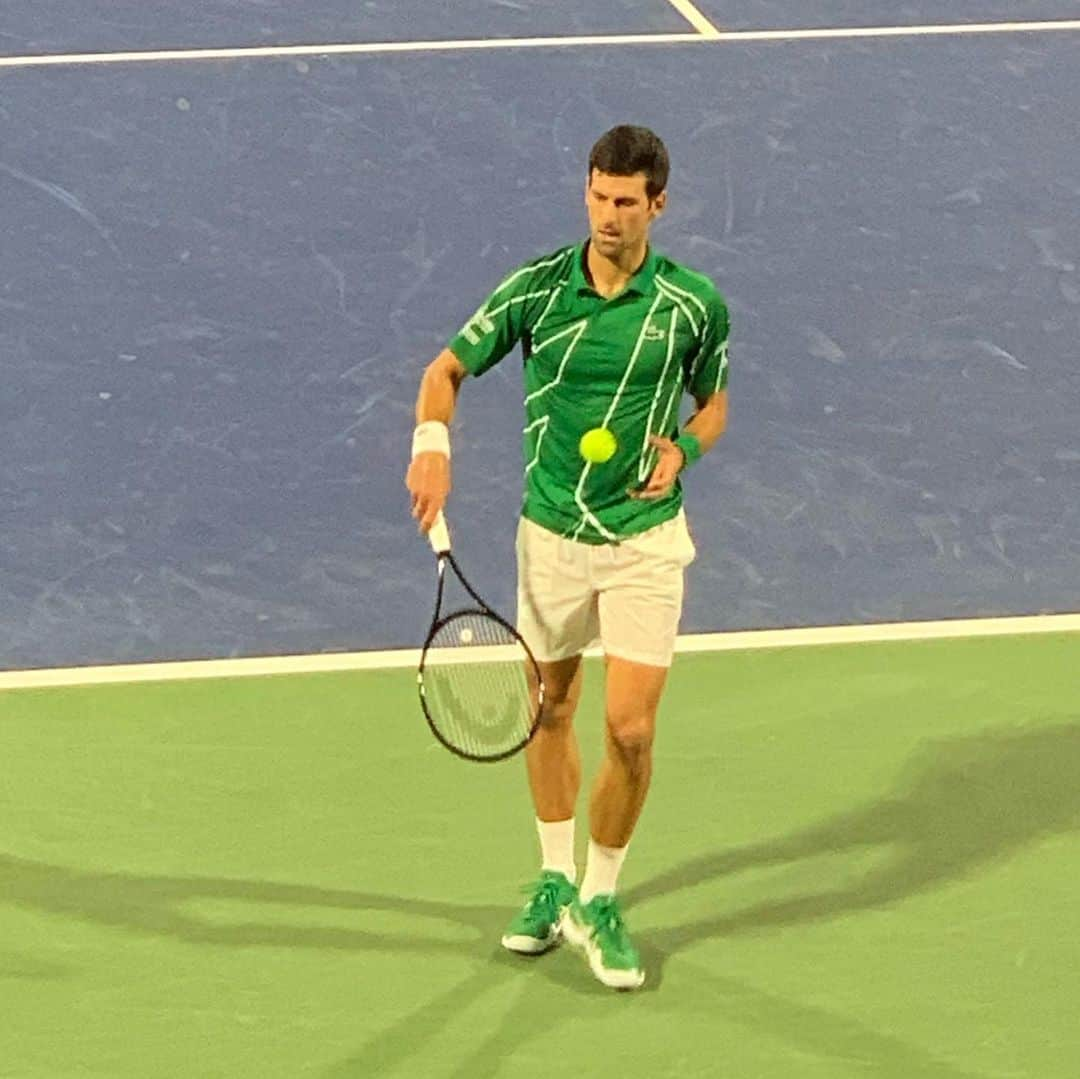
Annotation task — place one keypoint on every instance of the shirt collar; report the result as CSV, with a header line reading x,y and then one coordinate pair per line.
x,y
642,283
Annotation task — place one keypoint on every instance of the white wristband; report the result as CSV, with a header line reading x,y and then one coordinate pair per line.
x,y
431,436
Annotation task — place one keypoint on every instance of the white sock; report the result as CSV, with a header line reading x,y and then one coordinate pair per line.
x,y
601,870
557,846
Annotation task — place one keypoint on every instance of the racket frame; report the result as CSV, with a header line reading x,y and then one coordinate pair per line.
x,y
445,558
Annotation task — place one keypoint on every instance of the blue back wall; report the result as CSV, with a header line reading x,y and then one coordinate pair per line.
x,y
220,283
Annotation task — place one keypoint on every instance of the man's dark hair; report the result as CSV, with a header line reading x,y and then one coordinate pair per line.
x,y
627,150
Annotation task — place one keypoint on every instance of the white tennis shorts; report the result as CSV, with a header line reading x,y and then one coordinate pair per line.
x,y
626,596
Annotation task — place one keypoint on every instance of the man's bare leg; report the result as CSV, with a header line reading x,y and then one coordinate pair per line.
x,y
632,697
554,767
593,921
552,757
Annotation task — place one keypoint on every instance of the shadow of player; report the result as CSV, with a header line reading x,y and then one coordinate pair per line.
x,y
169,906
961,804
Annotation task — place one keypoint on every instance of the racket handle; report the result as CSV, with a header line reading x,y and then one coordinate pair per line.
x,y
439,536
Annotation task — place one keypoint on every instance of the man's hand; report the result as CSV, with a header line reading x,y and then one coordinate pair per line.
x,y
664,473
428,480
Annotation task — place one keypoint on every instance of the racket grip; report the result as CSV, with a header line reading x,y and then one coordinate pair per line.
x,y
439,535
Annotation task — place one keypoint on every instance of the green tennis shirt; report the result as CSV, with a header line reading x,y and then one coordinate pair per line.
x,y
621,363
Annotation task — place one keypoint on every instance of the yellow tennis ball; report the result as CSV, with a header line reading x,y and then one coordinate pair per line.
x,y
597,445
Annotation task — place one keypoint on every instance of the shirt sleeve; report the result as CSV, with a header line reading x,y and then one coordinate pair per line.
x,y
708,369
492,331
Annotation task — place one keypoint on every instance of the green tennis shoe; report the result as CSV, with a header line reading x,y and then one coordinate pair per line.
x,y
536,927
597,928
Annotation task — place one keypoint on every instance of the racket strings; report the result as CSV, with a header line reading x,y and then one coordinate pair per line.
x,y
475,686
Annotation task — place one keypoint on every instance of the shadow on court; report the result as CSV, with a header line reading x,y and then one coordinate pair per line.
x,y
531,1011
960,805
160,906
166,907
22,966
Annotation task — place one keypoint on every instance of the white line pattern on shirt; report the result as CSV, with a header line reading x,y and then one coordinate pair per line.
x,y
588,517
532,269
542,423
682,307
547,307
578,329
683,292
645,460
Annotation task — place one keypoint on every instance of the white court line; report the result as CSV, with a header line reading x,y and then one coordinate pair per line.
x,y
409,658
358,48
384,47
689,11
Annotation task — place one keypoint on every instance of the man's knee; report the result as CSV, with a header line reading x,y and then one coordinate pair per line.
x,y
558,712
631,733
562,689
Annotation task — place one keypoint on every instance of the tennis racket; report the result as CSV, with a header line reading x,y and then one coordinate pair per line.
x,y
475,672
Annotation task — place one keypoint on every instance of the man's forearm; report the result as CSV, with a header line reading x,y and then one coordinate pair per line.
x,y
438,390
708,423
428,476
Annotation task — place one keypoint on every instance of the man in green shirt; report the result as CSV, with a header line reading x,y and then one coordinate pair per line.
x,y
612,334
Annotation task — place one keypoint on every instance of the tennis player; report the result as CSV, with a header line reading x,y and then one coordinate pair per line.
x,y
613,333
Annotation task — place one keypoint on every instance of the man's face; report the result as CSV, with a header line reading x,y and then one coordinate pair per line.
x,y
619,212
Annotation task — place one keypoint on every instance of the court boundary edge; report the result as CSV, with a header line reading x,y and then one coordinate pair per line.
x,y
342,662
461,44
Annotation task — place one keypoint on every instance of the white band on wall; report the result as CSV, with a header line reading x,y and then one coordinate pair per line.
x,y
431,436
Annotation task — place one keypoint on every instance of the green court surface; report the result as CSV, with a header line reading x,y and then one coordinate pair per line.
x,y
855,861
